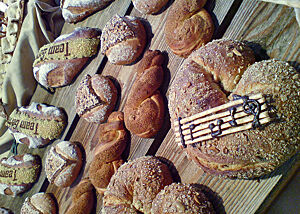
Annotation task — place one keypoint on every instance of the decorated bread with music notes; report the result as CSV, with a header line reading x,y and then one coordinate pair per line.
x,y
58,63
36,125
18,173
246,134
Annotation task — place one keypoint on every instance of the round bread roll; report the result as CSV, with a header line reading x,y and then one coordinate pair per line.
x,y
41,203
181,198
123,39
63,163
188,26
149,6
250,153
134,186
95,98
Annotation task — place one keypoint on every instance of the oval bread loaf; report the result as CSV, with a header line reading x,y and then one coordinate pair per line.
x,y
18,173
42,203
149,6
63,163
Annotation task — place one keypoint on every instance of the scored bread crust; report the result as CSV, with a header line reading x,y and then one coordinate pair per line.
x,y
39,203
188,26
250,153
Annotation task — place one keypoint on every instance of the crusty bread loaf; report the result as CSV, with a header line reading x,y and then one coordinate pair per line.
x,y
18,173
36,125
149,6
144,108
181,198
83,198
250,153
188,26
58,63
123,39
134,186
75,11
42,203
63,163
96,97
107,159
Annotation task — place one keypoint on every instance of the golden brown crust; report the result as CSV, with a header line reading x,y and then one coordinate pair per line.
x,y
181,198
107,157
149,6
83,198
144,108
135,185
188,26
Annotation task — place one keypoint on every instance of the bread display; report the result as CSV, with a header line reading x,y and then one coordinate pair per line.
x,y
204,81
107,159
96,97
39,203
134,186
63,163
181,198
188,26
58,63
83,198
149,7
144,108
18,173
123,39
75,11
36,125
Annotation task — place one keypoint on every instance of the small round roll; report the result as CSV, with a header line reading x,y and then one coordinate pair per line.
x,y
149,6
181,198
42,203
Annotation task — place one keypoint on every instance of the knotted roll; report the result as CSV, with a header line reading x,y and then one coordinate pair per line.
x,y
107,157
83,198
188,26
59,62
221,68
18,173
144,108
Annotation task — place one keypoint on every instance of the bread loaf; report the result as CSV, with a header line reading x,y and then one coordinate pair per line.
x,y
149,7
83,198
63,163
58,63
18,173
36,125
75,11
144,108
95,98
134,186
181,198
107,159
188,26
123,39
41,203
204,81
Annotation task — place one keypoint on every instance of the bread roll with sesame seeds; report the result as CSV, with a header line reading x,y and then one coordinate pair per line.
x,y
134,186
123,39
219,69
59,62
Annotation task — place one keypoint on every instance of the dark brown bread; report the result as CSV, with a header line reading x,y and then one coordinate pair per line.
x,y
188,26
144,108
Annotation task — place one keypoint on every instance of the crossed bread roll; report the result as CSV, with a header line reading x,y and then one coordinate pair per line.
x,y
144,108
149,7
36,125
18,173
63,163
42,203
203,82
123,39
58,63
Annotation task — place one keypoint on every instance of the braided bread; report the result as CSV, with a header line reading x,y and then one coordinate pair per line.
x,y
144,109
107,157
196,88
83,198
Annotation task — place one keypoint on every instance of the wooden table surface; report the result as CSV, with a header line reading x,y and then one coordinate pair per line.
x,y
272,31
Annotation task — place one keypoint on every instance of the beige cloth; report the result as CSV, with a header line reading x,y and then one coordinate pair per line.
x,y
41,25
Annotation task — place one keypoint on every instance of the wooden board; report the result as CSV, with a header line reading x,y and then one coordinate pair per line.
x,y
267,26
